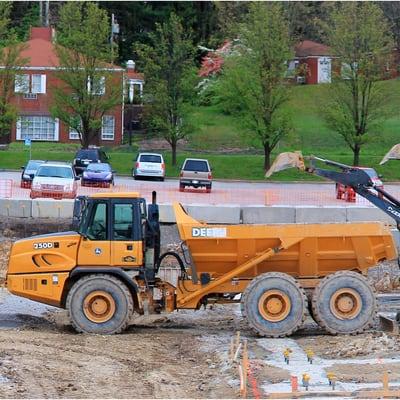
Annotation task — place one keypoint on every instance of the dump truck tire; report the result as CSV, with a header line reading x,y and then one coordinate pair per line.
x,y
344,303
99,304
274,304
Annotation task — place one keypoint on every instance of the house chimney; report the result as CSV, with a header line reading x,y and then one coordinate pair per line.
x,y
130,64
43,32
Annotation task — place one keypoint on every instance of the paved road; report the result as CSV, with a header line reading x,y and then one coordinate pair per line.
x,y
223,192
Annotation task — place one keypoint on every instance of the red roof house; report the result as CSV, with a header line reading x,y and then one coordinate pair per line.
x,y
33,97
314,61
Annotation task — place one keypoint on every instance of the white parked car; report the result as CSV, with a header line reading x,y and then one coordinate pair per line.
x,y
56,180
149,165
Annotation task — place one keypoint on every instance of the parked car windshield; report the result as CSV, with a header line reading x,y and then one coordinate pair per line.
x,y
195,165
87,154
150,158
103,167
33,165
55,171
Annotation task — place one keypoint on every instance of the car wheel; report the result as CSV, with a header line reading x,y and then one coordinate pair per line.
x,y
181,187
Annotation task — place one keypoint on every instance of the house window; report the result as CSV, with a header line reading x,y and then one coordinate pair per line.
x,y
96,85
21,84
25,83
108,126
135,90
37,128
73,133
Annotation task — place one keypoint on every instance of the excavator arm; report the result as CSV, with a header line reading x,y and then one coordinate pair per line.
x,y
362,182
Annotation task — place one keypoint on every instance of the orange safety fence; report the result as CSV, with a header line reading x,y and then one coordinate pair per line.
x,y
276,195
6,188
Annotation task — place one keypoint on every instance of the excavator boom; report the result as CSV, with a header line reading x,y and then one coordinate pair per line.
x,y
362,180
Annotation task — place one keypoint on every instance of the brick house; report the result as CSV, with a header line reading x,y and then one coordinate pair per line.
x,y
33,97
313,62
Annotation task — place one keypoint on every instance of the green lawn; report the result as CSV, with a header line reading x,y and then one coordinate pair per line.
x,y
217,135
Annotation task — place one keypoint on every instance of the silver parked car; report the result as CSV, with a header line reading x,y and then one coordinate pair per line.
x,y
149,165
195,172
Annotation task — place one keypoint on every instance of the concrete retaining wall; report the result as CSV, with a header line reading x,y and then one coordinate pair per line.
x,y
317,215
217,214
273,214
47,208
15,208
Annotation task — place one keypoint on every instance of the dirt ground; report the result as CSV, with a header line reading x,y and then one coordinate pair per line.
x,y
365,373
41,360
180,355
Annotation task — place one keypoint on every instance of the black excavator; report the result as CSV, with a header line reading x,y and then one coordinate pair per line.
x,y
364,181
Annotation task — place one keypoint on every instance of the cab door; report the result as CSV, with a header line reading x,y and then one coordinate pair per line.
x,y
126,236
95,246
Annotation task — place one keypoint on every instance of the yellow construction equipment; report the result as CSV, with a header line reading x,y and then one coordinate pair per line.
x,y
108,268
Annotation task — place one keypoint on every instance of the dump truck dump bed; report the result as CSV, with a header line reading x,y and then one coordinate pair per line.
x,y
307,250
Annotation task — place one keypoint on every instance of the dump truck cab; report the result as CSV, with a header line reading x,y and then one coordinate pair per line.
x,y
115,235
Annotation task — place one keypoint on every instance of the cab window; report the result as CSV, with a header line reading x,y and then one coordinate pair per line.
x,y
123,222
97,228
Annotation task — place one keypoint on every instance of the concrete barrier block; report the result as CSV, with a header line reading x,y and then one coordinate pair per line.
x,y
167,215
48,208
215,214
15,208
268,215
316,215
367,214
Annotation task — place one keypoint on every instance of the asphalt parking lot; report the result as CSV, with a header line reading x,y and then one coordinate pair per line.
x,y
223,192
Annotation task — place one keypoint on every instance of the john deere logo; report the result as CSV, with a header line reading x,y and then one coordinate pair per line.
x,y
209,232
128,259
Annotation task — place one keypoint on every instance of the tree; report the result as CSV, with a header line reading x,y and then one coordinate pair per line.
x,y
89,86
138,18
252,83
391,9
10,61
306,19
168,68
356,102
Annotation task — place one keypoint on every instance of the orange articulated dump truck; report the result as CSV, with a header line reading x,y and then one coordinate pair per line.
x,y
108,268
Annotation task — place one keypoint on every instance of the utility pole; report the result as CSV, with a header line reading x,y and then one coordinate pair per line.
x,y
47,12
114,30
41,13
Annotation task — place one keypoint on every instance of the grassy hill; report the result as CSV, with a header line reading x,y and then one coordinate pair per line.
x,y
310,135
221,139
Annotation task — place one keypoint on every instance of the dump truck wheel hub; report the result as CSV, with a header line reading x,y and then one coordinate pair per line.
x,y
274,305
99,306
346,303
